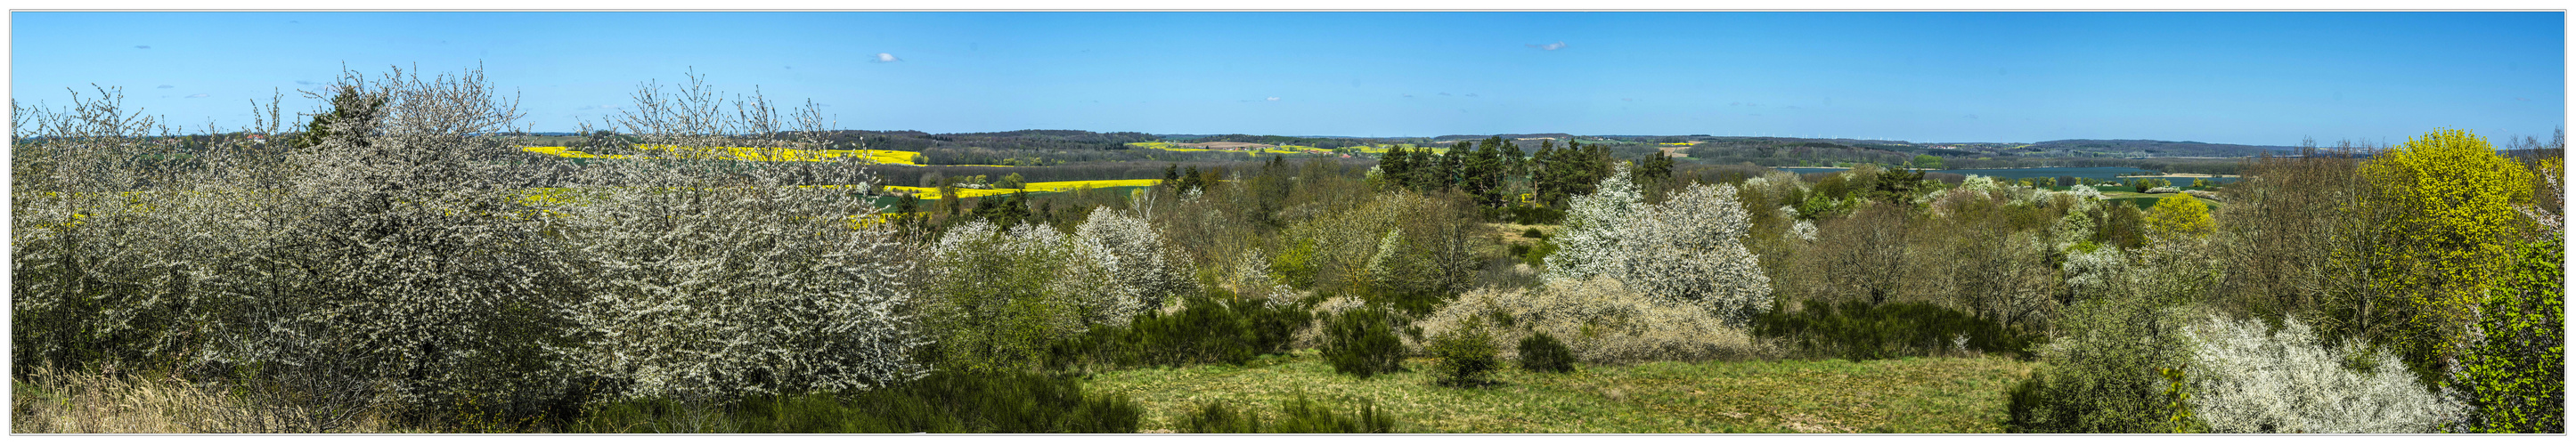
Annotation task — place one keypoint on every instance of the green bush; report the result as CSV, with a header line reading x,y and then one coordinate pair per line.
x,y
1466,356
2515,377
2107,373
1205,330
1363,342
1533,215
943,402
1543,353
1857,330
1533,233
1537,255
1299,416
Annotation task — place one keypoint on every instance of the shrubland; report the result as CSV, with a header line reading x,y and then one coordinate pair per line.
x,y
398,263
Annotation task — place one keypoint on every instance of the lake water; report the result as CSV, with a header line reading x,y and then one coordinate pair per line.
x,y
2096,173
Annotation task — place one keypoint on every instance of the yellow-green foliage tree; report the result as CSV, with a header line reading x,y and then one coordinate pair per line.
x,y
2179,215
2443,226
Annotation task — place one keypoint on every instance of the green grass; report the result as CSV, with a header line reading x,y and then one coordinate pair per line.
x,y
1915,395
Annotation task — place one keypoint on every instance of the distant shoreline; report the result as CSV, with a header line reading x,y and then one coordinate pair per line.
x,y
2166,175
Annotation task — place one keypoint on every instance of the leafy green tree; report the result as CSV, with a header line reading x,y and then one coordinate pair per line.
x,y
2445,228
2179,215
1927,161
2515,376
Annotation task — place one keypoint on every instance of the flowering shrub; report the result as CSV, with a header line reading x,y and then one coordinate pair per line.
x,y
2084,191
701,280
1687,250
392,253
2247,381
1802,230
1124,265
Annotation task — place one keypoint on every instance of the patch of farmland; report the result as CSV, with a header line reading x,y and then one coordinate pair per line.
x,y
892,157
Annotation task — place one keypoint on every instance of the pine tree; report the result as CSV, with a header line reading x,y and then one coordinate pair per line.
x,y
1483,172
1396,167
349,105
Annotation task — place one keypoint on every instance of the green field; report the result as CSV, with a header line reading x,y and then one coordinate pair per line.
x,y
1914,395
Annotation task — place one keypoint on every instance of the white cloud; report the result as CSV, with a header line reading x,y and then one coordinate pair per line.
x,y
887,57
1274,98
1550,47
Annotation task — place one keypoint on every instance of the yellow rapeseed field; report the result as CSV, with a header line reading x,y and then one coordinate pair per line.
x,y
896,157
1059,186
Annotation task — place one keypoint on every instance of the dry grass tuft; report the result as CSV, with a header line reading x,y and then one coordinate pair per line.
x,y
1602,321
53,401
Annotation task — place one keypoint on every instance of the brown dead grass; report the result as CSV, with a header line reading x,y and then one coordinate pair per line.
x,y
56,401
1914,395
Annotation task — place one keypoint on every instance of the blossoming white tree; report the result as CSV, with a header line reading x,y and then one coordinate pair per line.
x,y
1687,250
2245,380
704,276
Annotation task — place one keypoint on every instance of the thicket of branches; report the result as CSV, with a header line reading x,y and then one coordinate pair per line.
x,y
394,259
401,255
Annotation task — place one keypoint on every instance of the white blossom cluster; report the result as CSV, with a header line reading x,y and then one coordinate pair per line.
x,y
1136,270
1687,250
705,276
398,248
2084,191
1803,230
2245,380
2101,271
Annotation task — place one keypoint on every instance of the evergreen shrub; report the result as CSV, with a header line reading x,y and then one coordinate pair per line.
x,y
1363,342
1543,353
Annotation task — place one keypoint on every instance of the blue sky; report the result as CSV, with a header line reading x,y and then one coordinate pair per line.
x,y
2249,78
